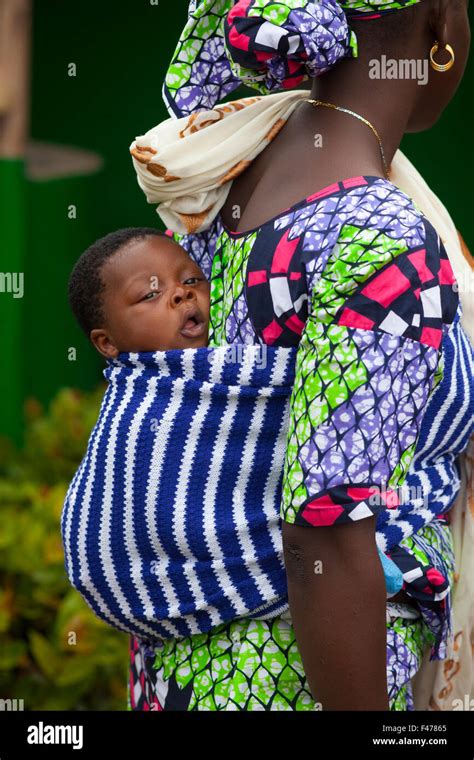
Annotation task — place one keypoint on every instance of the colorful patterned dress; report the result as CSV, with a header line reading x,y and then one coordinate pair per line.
x,y
358,279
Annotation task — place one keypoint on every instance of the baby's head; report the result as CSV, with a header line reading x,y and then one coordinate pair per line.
x,y
138,290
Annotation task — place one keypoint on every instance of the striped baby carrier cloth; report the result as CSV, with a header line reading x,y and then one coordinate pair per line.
x,y
171,524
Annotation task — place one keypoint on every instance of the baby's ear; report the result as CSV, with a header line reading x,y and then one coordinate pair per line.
x,y
101,340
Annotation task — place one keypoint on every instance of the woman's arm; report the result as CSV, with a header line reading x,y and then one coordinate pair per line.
x,y
338,613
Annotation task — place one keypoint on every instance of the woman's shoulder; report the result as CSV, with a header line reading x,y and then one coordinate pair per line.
x,y
386,265
386,219
367,211
372,202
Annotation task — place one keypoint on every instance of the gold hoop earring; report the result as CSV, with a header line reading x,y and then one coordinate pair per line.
x,y
441,66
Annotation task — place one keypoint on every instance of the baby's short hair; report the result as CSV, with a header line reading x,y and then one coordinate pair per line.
x,y
86,285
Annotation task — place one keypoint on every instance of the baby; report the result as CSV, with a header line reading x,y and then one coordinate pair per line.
x,y
136,289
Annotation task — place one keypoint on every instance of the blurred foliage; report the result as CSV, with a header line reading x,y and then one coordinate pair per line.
x,y
41,615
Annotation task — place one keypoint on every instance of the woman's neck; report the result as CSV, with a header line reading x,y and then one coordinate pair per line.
x,y
386,104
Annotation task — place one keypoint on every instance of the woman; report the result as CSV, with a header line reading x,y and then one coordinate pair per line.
x,y
315,247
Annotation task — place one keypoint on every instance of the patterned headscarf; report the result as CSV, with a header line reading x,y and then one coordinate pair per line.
x,y
268,45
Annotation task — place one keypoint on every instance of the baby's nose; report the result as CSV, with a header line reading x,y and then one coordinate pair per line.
x,y
182,292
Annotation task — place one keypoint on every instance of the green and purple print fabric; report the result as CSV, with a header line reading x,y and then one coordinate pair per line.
x,y
380,300
255,665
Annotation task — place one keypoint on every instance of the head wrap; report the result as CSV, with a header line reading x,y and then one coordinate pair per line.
x,y
267,45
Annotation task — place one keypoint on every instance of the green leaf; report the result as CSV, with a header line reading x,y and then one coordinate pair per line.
x,y
10,654
44,654
74,670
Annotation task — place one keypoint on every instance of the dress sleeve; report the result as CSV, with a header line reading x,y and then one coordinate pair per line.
x,y
368,360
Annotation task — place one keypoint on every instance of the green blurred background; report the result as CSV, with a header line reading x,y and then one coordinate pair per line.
x,y
48,403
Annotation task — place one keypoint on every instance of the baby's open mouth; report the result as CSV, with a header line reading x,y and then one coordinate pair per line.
x,y
193,325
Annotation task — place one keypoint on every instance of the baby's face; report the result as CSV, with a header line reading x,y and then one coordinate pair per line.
x,y
156,298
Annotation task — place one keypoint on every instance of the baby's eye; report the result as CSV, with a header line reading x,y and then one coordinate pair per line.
x,y
194,278
149,296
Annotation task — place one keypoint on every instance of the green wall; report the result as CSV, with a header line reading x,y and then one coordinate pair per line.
x,y
121,50
12,260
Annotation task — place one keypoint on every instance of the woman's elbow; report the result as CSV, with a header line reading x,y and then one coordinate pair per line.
x,y
347,549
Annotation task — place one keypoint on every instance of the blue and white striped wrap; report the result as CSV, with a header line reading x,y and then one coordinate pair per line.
x,y
171,524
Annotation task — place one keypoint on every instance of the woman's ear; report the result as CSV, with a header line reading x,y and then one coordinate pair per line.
x,y
101,340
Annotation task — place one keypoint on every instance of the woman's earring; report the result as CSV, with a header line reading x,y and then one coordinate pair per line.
x,y
441,66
